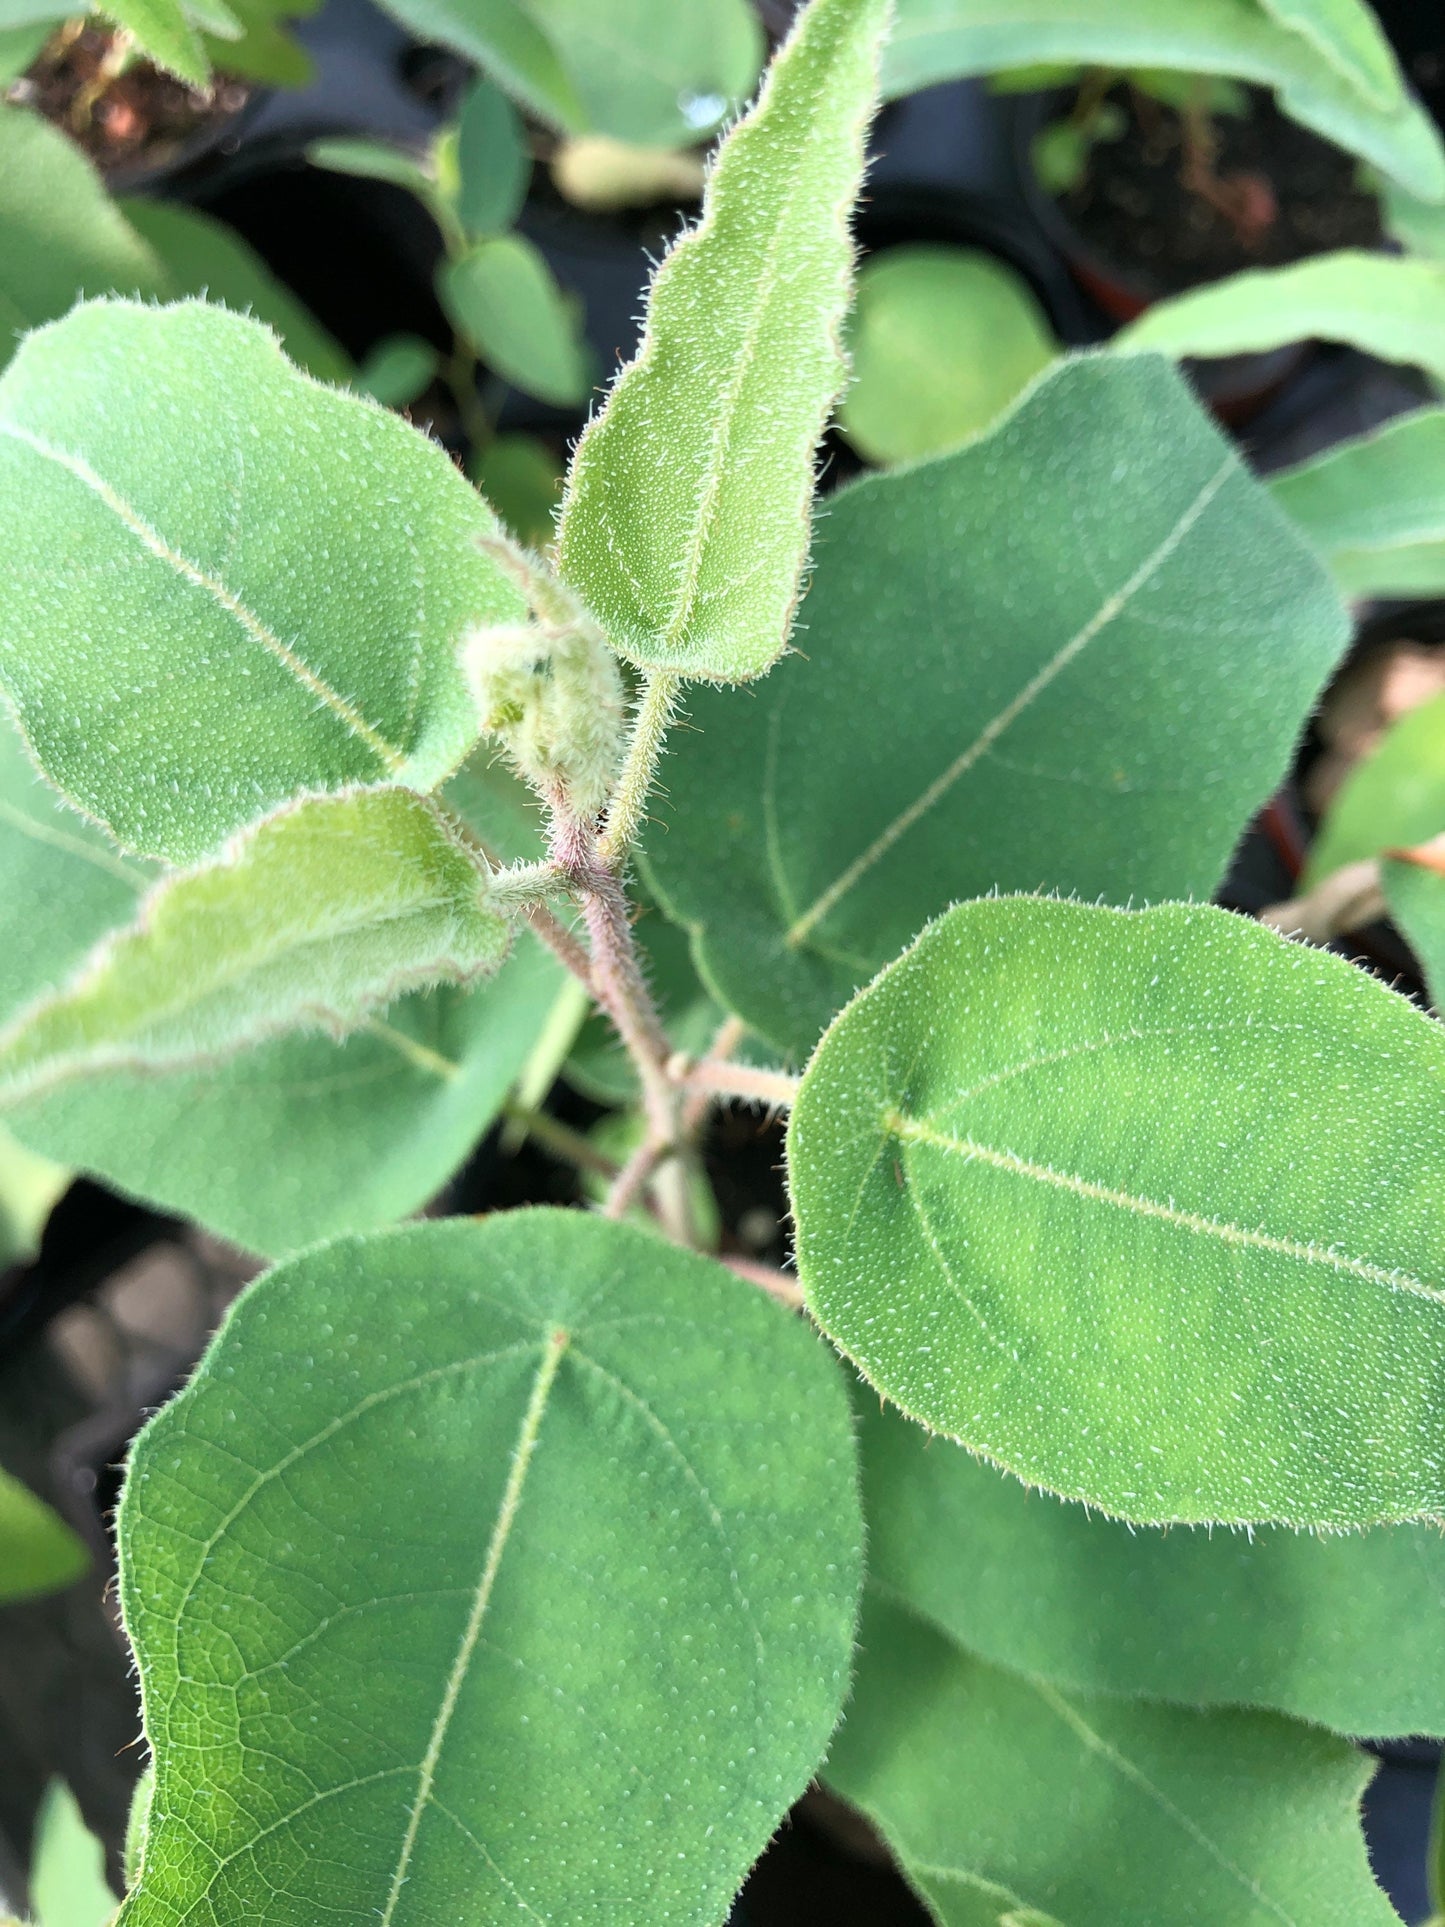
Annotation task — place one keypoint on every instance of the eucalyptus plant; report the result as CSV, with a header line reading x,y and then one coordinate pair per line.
x,y
518,1566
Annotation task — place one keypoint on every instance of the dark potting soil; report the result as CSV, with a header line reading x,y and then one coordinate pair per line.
x,y
1133,208
120,119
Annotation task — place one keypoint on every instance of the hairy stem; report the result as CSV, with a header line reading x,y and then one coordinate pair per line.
x,y
633,1178
741,1080
561,1140
563,945
627,811
779,1284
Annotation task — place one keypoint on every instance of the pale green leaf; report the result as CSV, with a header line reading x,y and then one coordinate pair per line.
x,y
38,1552
1376,507
548,1616
1342,1630
371,160
1390,306
507,42
19,46
522,479
1415,892
1145,1206
1417,225
1394,796
67,1880
397,370
1097,1812
1023,669
292,1141
202,256
1352,40
330,909
492,160
503,298
164,33
942,339
937,40
287,620
61,236
685,524
30,1188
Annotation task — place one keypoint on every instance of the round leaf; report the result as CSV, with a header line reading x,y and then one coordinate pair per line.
x,y
502,297
1147,1207
549,1539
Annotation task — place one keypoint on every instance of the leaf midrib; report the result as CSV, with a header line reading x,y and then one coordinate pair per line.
x,y
1111,607
916,1131
392,758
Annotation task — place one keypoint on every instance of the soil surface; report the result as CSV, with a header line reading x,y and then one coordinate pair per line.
x,y
140,117
1133,208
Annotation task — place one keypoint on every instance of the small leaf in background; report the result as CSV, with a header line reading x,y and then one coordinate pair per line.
x,y
1082,595
938,40
941,339
506,1407
398,370
503,298
1414,886
30,1188
287,622
203,257
292,1141
493,164
60,233
1376,507
1395,795
163,32
38,1552
1341,1629
1386,305
332,908
1351,39
685,525
370,160
67,1875
1001,1794
506,41
1419,226
522,479
265,49
1144,1206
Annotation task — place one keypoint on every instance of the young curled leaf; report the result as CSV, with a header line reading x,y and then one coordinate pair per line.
x,y
553,698
685,525
329,909
1144,1206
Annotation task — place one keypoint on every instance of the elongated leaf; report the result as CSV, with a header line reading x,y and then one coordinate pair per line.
x,y
685,523
1395,796
503,298
1389,306
202,256
1419,226
1351,39
60,234
330,909
1145,1206
184,658
942,339
938,40
68,1878
493,164
38,1552
549,1616
1023,670
1376,507
292,1141
507,42
1341,1630
164,33
1097,1812
1415,892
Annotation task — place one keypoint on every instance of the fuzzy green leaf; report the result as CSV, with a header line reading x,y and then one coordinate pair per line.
x,y
1023,670
685,524
942,339
1376,507
1393,797
293,1140
61,235
1341,1630
938,40
548,1616
38,1552
164,33
202,256
503,298
1002,1794
183,659
1389,306
318,915
1145,1206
